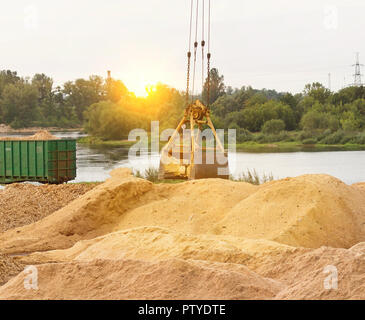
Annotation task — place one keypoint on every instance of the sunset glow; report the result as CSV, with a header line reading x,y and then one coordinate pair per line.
x,y
144,90
142,82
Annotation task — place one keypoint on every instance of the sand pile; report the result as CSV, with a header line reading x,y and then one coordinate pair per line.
x,y
305,274
40,135
125,202
8,268
360,185
92,214
209,239
133,279
286,274
154,244
4,127
22,204
308,211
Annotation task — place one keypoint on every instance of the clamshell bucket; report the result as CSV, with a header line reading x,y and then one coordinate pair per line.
x,y
184,157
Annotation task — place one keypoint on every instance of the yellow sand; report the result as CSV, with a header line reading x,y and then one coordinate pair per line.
x,y
276,230
153,244
135,279
308,211
40,135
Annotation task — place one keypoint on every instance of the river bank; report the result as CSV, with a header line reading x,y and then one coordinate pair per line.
x,y
250,146
95,161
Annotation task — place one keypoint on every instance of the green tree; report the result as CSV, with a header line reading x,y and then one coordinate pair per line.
x,y
252,119
19,104
317,91
349,122
114,90
273,126
315,120
44,85
256,99
110,120
224,105
217,86
83,93
348,95
7,77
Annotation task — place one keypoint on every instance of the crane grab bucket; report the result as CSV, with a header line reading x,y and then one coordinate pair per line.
x,y
187,155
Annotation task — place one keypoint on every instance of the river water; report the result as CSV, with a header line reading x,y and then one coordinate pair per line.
x,y
95,163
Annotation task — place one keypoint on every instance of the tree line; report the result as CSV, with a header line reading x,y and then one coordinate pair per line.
x,y
107,109
316,114
37,102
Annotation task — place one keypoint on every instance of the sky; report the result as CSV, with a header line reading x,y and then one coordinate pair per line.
x,y
273,44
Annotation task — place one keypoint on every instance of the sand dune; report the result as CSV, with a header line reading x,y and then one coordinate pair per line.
x,y
136,279
271,241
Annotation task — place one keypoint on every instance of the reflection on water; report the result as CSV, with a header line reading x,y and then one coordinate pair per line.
x,y
95,163
348,166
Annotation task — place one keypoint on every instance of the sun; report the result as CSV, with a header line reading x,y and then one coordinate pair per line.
x,y
144,90
142,80
141,86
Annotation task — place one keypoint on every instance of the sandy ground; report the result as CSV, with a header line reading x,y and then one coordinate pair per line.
x,y
7,129
39,135
209,239
22,204
9,268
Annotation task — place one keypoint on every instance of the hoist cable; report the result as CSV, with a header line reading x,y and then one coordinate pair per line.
x,y
189,54
191,23
197,20
208,25
195,46
203,45
208,57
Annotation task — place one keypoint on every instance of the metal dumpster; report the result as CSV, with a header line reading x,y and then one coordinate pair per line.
x,y
45,161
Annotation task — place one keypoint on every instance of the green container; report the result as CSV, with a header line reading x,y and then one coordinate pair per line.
x,y
47,161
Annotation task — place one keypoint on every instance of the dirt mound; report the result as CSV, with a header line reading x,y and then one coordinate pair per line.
x,y
133,279
4,128
22,204
192,207
297,273
307,211
125,202
92,214
209,239
360,185
306,274
9,268
153,244
40,135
